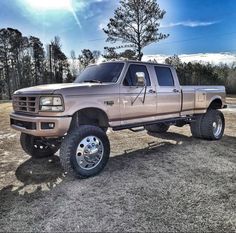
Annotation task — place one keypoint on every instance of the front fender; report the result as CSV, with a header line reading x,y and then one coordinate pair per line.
x,y
76,103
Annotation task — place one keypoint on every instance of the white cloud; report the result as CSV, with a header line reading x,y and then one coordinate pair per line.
x,y
190,23
212,58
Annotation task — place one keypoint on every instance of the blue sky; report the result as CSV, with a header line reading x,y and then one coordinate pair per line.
x,y
195,26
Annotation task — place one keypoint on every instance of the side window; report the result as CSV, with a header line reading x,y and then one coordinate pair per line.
x,y
164,76
130,78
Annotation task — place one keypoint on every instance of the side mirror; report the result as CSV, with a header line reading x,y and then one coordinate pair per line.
x,y
140,77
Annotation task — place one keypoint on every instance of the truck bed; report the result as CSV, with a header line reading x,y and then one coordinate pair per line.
x,y
197,98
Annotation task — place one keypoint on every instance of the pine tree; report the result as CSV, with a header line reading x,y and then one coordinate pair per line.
x,y
60,63
110,53
137,23
128,54
38,58
86,58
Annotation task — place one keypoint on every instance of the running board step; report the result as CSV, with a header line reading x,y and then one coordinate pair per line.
x,y
138,129
188,119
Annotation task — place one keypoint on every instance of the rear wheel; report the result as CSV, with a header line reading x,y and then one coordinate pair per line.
x,y
195,126
209,126
157,128
85,151
38,147
213,125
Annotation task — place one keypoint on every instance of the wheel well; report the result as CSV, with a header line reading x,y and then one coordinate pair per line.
x,y
90,116
215,104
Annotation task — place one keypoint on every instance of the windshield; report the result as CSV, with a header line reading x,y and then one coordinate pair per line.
x,y
102,73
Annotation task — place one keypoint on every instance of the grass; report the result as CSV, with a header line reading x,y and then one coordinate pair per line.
x,y
163,183
231,99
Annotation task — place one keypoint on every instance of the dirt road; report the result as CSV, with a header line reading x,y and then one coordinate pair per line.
x,y
167,182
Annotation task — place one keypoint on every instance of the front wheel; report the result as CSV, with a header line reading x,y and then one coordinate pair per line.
x,y
85,151
38,147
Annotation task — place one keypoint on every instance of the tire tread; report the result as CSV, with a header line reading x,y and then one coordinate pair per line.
x,y
69,144
206,126
26,142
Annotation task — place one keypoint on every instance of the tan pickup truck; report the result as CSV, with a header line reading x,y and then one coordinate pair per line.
x,y
121,95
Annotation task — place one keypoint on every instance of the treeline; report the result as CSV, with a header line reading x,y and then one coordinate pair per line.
x,y
205,74
24,62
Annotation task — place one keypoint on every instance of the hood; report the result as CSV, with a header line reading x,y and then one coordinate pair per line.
x,y
52,88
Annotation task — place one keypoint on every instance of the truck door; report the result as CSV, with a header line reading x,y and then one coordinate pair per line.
x,y
168,91
135,106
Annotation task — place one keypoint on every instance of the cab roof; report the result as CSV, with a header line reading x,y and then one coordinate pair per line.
x,y
136,62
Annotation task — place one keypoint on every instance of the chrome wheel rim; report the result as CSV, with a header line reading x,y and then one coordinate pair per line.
x,y
217,126
89,152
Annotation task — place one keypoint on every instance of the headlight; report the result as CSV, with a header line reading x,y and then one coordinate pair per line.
x,y
51,103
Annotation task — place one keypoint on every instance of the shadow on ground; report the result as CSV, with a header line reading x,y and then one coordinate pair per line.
x,y
48,170
36,171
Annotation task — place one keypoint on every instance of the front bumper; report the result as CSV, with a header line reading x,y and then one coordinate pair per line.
x,y
37,126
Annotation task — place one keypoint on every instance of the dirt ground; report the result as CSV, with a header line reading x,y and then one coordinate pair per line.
x,y
167,182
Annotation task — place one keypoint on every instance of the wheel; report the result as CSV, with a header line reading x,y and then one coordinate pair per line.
x,y
37,147
213,125
157,128
85,151
180,123
104,129
195,126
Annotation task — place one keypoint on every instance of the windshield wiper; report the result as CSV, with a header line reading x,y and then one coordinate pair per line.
x,y
92,81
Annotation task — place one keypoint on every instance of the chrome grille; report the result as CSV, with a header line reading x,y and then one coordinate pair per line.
x,y
28,104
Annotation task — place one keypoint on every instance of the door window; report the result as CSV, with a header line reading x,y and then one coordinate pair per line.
x,y
164,76
131,79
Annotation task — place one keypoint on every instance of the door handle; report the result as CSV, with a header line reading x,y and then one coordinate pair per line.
x,y
151,91
175,90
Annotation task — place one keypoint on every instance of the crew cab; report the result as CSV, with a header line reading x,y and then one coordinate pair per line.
x,y
74,117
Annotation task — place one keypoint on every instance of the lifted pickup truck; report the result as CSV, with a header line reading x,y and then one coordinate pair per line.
x,y
121,95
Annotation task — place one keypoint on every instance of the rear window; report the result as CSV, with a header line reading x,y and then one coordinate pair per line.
x,y
164,76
